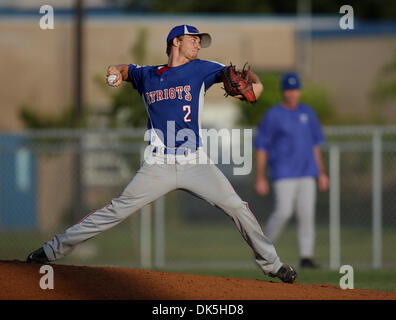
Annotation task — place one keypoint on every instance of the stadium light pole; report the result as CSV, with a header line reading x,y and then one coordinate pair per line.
x,y
377,199
79,11
304,28
78,106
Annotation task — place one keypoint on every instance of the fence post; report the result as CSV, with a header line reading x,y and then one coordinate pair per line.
x,y
145,237
334,200
377,198
145,231
159,233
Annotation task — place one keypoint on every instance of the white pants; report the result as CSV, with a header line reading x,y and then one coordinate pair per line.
x,y
155,180
299,194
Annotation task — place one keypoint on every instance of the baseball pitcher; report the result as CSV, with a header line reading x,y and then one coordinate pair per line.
x,y
174,97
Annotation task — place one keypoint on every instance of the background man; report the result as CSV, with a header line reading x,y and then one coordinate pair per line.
x,y
288,139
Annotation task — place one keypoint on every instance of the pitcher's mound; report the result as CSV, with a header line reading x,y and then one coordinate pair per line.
x,y
21,281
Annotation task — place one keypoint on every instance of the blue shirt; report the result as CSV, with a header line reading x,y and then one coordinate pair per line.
x,y
289,137
174,100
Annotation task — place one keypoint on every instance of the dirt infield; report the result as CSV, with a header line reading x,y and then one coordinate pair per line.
x,y
20,281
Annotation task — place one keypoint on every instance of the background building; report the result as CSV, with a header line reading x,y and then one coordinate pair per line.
x,y
38,168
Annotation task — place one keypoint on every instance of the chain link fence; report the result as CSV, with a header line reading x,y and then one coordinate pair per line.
x,y
51,179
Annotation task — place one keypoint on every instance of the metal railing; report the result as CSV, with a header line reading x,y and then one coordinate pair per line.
x,y
362,167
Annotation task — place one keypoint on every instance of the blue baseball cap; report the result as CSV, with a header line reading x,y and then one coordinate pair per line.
x,y
289,81
186,29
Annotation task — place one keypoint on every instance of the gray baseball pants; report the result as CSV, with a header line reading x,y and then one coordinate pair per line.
x,y
299,194
155,180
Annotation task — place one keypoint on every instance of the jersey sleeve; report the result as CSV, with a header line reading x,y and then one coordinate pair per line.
x,y
264,133
135,75
211,72
317,133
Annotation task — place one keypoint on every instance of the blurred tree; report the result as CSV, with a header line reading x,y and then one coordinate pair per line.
x,y
385,84
194,6
251,114
363,9
127,106
34,119
384,91
319,99
311,94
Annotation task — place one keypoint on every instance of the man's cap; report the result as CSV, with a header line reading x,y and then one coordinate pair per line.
x,y
289,81
177,31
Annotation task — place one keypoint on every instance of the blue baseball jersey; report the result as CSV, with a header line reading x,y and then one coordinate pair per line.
x,y
289,137
174,99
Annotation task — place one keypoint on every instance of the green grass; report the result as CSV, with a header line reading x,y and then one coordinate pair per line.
x,y
384,279
206,245
223,242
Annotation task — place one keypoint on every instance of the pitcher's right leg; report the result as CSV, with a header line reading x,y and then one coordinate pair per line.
x,y
209,183
149,183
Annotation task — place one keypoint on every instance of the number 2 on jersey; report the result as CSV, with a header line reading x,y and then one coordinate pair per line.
x,y
186,116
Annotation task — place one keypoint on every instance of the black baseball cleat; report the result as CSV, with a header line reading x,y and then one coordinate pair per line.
x,y
308,263
37,256
286,273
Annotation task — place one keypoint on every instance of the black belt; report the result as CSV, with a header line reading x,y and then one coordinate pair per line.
x,y
175,151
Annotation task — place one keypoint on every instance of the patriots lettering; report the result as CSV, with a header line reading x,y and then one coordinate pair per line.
x,y
172,93
159,95
187,92
179,92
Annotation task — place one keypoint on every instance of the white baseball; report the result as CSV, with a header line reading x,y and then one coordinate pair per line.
x,y
111,78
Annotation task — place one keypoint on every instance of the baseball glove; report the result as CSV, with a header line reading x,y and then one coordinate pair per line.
x,y
238,83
